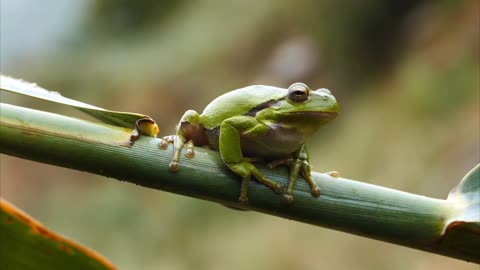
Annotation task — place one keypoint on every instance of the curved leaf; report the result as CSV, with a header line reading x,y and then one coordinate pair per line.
x,y
140,122
27,244
464,222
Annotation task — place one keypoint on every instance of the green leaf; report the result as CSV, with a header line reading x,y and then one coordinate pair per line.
x,y
143,123
466,196
27,244
464,222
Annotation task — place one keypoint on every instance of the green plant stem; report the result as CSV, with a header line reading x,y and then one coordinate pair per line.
x,y
347,205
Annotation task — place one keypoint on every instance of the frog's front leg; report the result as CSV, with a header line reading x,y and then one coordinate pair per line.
x,y
179,140
230,149
298,165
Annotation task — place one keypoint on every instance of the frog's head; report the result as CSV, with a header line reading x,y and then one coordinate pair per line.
x,y
302,108
301,99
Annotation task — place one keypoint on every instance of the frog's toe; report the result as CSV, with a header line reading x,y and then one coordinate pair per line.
x,y
315,192
243,200
190,153
163,144
288,199
165,141
174,166
278,188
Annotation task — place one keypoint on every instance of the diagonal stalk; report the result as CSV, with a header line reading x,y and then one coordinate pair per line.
x,y
346,205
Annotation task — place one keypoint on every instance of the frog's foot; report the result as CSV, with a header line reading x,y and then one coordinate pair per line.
x,y
243,199
306,172
294,165
246,170
297,166
178,144
288,199
165,141
190,152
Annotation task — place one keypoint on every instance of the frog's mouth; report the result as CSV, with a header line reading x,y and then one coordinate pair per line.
x,y
326,116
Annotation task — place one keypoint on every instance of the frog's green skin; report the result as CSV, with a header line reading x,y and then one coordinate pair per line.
x,y
258,123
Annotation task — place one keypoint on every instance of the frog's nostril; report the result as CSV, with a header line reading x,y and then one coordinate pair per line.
x,y
324,90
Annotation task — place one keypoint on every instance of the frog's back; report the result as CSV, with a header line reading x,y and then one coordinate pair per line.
x,y
239,102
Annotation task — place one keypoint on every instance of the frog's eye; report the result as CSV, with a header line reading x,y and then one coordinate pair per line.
x,y
298,92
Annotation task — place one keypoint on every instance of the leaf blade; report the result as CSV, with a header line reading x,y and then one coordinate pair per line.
x,y
29,244
122,119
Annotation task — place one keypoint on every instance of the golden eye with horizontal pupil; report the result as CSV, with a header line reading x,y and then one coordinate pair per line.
x,y
298,92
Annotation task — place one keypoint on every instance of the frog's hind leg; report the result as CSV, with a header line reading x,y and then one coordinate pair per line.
x,y
246,170
298,165
231,151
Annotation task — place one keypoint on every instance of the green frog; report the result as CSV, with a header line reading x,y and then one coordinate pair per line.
x,y
258,123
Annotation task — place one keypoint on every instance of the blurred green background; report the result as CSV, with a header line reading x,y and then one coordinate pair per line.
x,y
405,72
